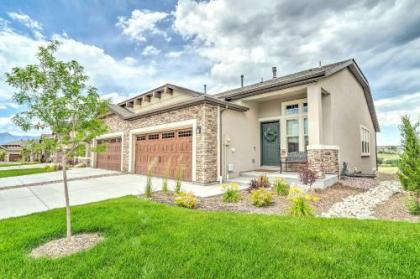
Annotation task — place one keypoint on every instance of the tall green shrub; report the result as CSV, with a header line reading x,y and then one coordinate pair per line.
x,y
409,163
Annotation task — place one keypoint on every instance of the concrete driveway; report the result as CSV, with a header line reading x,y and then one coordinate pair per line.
x,y
57,176
30,199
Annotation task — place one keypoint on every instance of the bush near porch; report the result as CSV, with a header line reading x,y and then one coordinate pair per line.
x,y
146,239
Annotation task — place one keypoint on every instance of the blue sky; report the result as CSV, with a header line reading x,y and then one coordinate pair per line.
x,y
131,46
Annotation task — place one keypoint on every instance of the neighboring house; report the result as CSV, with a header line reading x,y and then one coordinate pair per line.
x,y
324,116
13,150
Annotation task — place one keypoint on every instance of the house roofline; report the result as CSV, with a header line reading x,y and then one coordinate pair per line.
x,y
161,88
203,99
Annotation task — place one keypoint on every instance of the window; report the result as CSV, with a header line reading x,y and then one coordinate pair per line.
x,y
293,135
305,132
141,138
292,109
365,141
168,135
182,134
305,107
153,137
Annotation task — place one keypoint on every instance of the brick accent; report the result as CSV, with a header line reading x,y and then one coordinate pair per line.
x,y
206,148
323,161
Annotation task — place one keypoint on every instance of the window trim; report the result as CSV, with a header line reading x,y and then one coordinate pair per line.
x,y
298,116
365,137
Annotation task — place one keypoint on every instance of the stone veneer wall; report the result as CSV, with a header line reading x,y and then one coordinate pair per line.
x,y
206,148
323,161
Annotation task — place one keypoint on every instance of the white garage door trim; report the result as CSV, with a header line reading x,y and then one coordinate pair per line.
x,y
192,123
108,136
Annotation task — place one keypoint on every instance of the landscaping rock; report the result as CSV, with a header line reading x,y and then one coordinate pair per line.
x,y
66,246
362,205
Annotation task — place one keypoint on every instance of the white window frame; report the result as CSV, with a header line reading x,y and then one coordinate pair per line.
x,y
364,137
299,116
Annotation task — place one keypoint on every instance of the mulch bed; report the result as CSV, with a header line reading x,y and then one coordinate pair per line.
x,y
215,203
280,204
395,209
67,246
359,182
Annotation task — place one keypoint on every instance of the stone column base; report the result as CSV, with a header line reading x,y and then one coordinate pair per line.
x,y
323,159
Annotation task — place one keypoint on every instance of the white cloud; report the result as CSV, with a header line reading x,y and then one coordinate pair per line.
x,y
295,35
27,21
6,105
142,22
150,50
390,110
114,97
174,54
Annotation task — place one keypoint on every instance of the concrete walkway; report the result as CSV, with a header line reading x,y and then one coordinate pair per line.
x,y
57,176
30,199
19,167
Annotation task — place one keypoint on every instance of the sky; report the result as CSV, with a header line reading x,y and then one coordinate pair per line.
x,y
131,46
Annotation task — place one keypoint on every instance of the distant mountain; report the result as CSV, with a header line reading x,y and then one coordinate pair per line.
x,y
7,137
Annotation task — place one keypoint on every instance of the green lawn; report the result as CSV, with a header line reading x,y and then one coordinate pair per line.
x,y
149,240
18,172
11,164
388,156
387,170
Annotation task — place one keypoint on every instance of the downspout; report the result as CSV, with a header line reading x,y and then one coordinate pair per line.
x,y
376,152
222,147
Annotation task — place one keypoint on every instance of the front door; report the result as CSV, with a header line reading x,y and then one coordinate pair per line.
x,y
270,144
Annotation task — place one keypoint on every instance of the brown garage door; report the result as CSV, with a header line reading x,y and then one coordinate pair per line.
x,y
167,153
15,157
110,159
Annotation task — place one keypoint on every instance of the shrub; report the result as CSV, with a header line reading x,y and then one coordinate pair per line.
x,y
259,182
307,176
281,187
165,185
148,188
409,163
178,183
187,200
300,202
413,205
51,167
231,193
261,197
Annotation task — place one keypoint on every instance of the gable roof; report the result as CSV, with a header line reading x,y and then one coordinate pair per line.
x,y
201,99
305,77
161,89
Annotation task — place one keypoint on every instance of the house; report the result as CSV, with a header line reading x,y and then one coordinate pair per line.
x,y
322,116
13,150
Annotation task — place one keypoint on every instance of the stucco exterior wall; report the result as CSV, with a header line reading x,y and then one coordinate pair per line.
x,y
206,141
349,110
243,130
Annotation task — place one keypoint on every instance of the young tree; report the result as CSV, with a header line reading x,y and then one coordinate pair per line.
x,y
57,98
409,163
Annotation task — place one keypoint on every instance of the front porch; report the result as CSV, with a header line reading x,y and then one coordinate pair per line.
x,y
285,130
292,177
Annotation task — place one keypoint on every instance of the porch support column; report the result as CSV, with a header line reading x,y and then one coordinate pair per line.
x,y
314,114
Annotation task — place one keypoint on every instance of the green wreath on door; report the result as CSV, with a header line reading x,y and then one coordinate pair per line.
x,y
270,135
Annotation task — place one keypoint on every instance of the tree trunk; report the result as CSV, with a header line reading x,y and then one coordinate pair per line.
x,y
66,195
